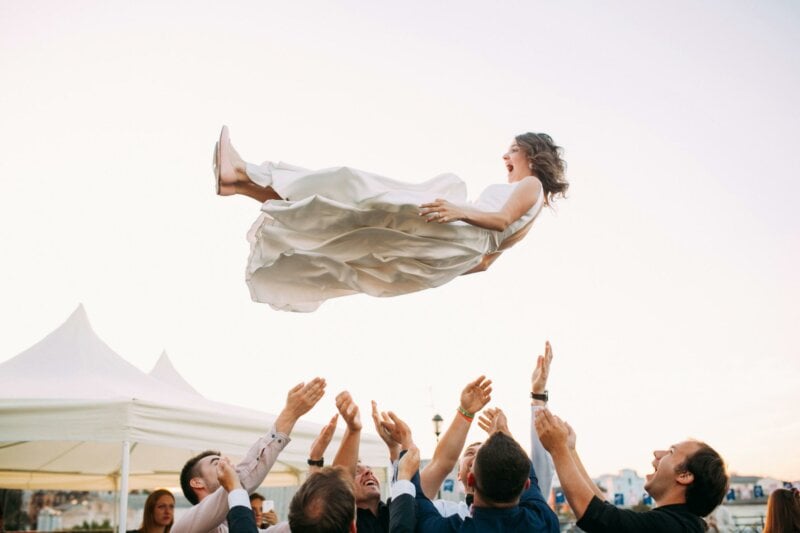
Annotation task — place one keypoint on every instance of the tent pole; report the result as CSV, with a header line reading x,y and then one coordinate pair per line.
x,y
123,486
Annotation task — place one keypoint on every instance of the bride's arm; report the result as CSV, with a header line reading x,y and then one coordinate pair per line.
x,y
520,202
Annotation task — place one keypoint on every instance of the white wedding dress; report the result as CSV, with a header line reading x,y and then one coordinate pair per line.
x,y
342,231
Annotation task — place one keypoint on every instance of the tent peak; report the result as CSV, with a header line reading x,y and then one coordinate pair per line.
x,y
73,360
165,371
79,316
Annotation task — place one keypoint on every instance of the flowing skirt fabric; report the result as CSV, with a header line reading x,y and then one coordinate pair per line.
x,y
343,231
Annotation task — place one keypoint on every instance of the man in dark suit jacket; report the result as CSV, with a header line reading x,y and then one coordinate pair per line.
x,y
507,495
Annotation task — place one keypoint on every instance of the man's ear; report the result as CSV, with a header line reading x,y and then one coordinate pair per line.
x,y
527,484
471,480
685,478
197,483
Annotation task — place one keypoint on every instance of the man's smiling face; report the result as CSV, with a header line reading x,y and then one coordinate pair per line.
x,y
368,487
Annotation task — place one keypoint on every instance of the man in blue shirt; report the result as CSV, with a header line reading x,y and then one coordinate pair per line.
x,y
507,495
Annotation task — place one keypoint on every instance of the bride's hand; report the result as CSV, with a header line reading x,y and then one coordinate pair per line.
x,y
441,211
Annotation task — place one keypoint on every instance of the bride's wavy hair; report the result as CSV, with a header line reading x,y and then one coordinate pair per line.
x,y
545,157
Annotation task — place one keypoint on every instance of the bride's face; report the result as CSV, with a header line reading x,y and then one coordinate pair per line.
x,y
517,163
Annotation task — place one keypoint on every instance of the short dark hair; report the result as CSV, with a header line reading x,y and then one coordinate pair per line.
x,y
501,469
710,483
189,471
256,496
325,503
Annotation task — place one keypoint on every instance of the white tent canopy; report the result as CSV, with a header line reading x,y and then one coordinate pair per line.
x,y
69,406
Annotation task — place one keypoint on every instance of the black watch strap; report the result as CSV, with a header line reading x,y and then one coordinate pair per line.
x,y
543,397
320,463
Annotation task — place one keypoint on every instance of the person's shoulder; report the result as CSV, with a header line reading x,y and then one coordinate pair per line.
x,y
681,513
604,516
531,181
530,186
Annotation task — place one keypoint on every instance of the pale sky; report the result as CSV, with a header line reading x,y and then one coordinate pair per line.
x,y
667,280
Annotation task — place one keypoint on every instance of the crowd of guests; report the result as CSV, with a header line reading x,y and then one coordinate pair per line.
x,y
504,485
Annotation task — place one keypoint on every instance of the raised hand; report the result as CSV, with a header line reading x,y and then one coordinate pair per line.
x,y
384,433
305,396
441,211
542,370
476,395
572,438
349,411
324,438
270,517
492,420
409,464
399,430
301,398
226,475
553,432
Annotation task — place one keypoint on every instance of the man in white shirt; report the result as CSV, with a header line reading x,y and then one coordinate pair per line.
x,y
199,479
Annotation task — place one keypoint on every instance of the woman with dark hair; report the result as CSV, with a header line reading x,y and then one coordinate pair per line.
x,y
341,231
159,513
783,511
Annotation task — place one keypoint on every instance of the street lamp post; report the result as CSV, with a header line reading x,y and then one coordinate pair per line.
x,y
437,430
437,425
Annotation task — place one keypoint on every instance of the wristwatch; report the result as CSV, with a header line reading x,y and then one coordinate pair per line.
x,y
320,463
543,397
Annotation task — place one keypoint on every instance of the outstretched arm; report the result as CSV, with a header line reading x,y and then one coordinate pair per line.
x,y
474,397
320,444
255,466
299,401
520,202
571,440
347,456
542,462
259,460
554,434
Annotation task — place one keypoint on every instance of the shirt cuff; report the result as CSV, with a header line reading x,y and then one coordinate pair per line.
x,y
274,435
238,497
403,486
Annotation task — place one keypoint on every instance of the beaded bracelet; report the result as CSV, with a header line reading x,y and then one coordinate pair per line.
x,y
466,414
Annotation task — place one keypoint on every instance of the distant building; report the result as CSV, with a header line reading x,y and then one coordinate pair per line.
x,y
451,489
48,519
625,488
57,510
753,487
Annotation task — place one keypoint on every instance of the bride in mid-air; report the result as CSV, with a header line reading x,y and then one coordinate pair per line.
x,y
340,231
